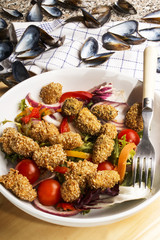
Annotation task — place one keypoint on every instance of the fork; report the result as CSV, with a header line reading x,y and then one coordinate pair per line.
x,y
144,158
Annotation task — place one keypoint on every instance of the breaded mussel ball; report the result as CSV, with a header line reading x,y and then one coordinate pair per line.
x,y
105,112
71,107
133,118
51,93
87,122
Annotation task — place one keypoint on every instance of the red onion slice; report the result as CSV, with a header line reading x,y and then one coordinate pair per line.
x,y
53,210
33,103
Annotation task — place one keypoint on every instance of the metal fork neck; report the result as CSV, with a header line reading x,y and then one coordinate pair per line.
x,y
147,113
147,104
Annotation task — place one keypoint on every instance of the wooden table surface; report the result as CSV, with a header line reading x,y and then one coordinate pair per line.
x,y
17,225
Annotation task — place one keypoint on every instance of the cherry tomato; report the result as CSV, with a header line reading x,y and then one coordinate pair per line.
x,y
60,169
49,192
131,136
28,168
105,166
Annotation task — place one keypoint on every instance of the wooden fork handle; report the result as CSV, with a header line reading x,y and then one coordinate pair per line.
x,y
149,72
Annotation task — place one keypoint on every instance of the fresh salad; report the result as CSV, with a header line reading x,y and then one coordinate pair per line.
x,y
72,151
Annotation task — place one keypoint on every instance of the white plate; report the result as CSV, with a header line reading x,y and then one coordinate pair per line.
x,y
72,80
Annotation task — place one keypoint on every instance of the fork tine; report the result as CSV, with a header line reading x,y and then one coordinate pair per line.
x,y
146,171
141,160
152,170
134,170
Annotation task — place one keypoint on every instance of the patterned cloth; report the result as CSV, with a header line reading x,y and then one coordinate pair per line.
x,y
129,62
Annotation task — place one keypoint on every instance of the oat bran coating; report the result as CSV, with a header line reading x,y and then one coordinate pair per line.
x,y
42,131
102,148
51,93
69,140
24,146
6,138
87,122
104,179
80,170
15,142
19,185
109,129
105,112
133,118
70,190
71,107
50,157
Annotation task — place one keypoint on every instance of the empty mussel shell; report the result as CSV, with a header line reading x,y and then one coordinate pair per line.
x,y
151,34
104,17
53,11
6,49
19,71
1,68
132,40
35,14
29,39
125,28
12,12
89,48
33,53
3,24
49,2
158,65
9,33
88,18
153,17
8,80
100,9
98,59
113,42
124,7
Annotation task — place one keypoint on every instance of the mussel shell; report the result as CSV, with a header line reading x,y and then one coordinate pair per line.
x,y
6,49
49,2
98,59
153,17
13,12
9,33
132,40
29,39
125,28
113,42
104,17
124,7
151,34
89,48
158,65
35,14
75,19
100,9
33,53
53,11
1,68
3,24
19,71
89,18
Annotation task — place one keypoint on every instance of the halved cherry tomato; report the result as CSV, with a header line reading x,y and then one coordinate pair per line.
x,y
84,95
49,192
64,127
29,169
105,166
60,169
66,206
131,136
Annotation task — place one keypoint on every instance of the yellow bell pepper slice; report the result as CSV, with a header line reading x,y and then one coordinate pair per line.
x,y
77,154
